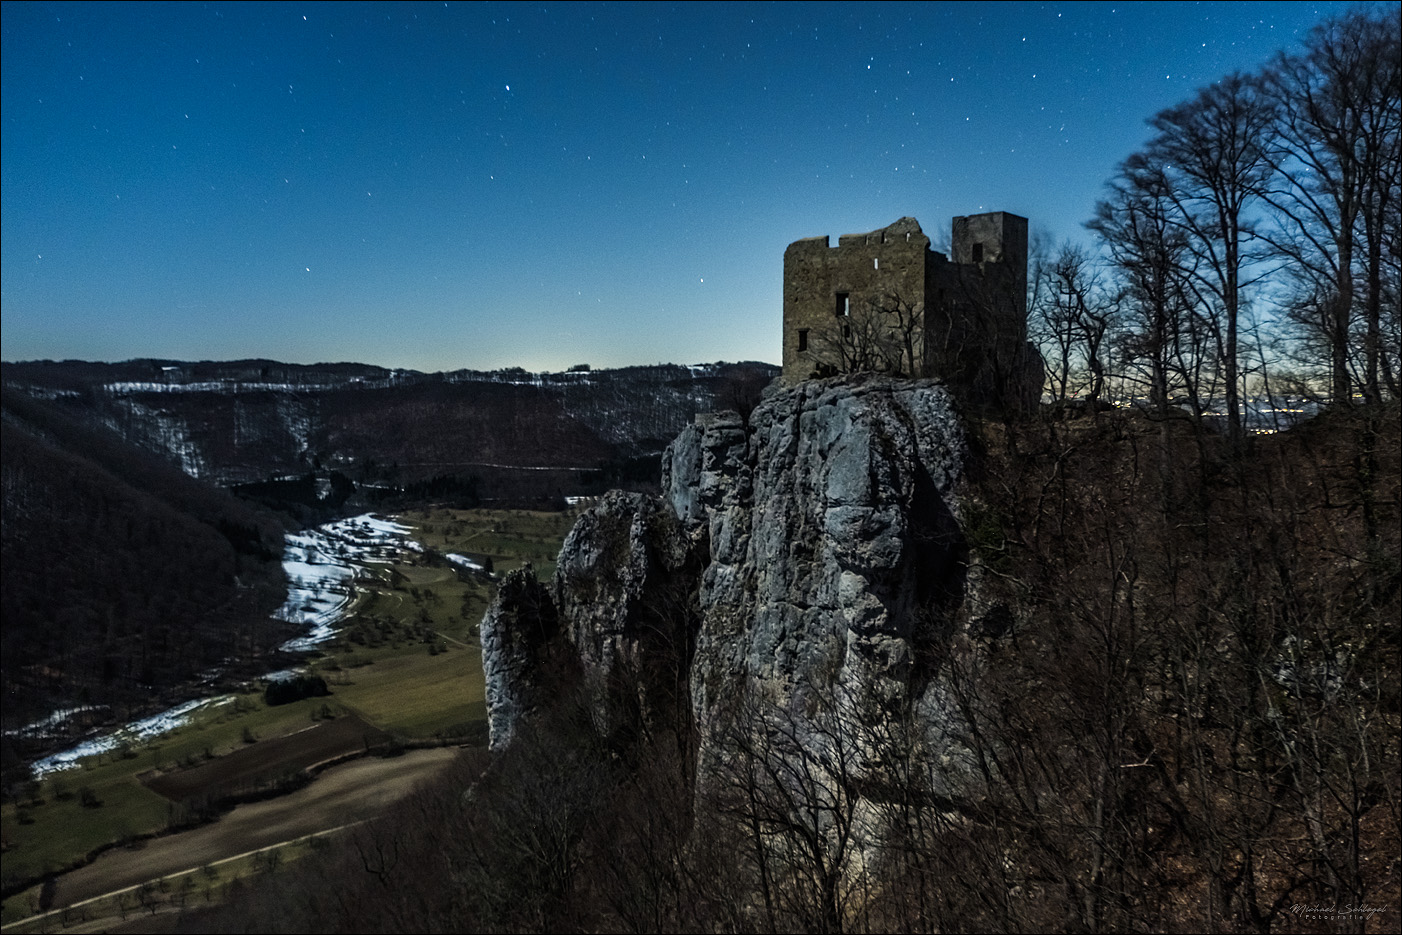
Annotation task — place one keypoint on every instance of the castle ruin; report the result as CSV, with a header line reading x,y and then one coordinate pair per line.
x,y
884,301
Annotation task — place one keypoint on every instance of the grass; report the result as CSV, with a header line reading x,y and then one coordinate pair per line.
x,y
199,885
510,537
63,830
408,661
417,695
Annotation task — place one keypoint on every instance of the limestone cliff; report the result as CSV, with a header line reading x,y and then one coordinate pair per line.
x,y
810,556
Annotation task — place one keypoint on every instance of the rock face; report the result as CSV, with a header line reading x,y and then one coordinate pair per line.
x,y
516,634
810,555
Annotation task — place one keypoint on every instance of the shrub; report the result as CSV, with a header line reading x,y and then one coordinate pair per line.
x,y
286,691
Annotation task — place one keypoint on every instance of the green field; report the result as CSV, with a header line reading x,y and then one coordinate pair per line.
x,y
407,660
509,537
198,885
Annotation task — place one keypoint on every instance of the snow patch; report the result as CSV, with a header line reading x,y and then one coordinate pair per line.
x,y
44,727
135,732
464,561
147,427
321,565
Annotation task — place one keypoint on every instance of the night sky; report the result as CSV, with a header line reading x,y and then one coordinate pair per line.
x,y
444,186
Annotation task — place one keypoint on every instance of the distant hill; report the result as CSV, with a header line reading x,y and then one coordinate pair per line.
x,y
506,436
121,574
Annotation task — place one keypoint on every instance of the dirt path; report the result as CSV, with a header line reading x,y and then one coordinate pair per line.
x,y
443,636
91,915
342,795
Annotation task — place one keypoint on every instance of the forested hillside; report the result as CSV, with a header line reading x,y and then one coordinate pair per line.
x,y
121,574
507,436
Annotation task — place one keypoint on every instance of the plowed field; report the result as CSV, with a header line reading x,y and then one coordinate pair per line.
x,y
265,760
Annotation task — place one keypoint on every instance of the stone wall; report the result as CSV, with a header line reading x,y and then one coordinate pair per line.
x,y
976,342
869,269
959,319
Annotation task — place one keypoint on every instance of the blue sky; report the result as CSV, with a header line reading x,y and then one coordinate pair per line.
x,y
439,186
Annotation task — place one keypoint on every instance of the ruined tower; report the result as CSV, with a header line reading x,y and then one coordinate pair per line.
x,y
884,301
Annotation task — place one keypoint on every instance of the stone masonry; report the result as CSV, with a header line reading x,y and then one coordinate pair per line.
x,y
884,301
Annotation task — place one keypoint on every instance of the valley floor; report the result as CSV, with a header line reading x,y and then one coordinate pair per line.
x,y
404,664
340,797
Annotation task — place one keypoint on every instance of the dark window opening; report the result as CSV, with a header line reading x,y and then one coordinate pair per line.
x,y
844,305
846,332
802,339
978,253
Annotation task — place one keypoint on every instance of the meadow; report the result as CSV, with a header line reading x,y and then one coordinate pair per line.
x,y
404,670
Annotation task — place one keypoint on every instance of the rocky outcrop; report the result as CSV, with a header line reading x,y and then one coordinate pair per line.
x,y
626,592
834,553
810,555
517,634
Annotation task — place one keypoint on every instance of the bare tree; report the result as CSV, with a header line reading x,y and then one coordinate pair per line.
x,y
1207,157
1150,252
882,335
787,783
742,390
981,339
1073,316
1336,161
